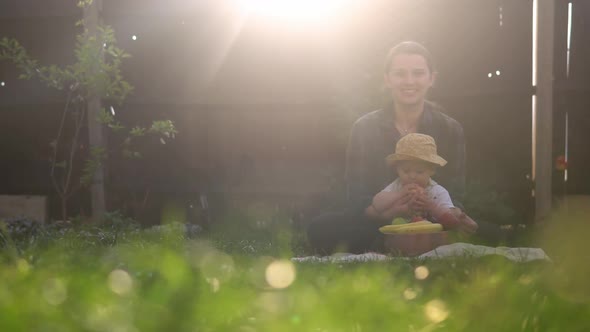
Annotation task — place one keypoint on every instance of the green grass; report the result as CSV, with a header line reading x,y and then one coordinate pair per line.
x,y
238,277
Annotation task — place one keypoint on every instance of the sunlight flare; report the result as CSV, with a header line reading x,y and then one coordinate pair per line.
x,y
294,10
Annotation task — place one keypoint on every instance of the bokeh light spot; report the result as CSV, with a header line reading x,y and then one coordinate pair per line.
x,y
214,283
120,282
410,294
280,274
55,291
274,302
125,329
362,284
295,319
217,265
421,272
436,311
525,279
23,266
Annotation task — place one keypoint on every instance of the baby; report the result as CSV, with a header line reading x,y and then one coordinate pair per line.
x,y
414,195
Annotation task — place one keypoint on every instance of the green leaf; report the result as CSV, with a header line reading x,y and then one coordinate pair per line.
x,y
104,117
116,126
137,131
84,3
163,127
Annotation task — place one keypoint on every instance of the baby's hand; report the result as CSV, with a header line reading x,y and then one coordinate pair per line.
x,y
458,220
466,224
422,203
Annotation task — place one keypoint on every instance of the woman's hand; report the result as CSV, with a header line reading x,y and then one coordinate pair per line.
x,y
399,207
384,200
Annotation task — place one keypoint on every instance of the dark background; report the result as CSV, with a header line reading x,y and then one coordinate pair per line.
x,y
264,108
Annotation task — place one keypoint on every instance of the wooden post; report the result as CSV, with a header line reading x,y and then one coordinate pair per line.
x,y
543,39
95,130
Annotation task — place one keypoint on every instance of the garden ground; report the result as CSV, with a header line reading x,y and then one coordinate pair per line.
x,y
239,276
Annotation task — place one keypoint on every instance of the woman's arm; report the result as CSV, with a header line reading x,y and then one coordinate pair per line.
x,y
384,200
386,205
356,169
457,173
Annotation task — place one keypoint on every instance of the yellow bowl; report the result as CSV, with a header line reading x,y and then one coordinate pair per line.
x,y
414,244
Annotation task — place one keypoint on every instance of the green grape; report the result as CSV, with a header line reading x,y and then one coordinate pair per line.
x,y
399,221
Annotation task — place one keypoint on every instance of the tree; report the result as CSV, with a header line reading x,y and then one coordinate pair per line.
x,y
96,73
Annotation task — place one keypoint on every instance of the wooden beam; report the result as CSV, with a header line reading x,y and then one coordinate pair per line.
x,y
543,44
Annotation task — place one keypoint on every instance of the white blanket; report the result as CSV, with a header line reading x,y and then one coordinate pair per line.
x,y
455,250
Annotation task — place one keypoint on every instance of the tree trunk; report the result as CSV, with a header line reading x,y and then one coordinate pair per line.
x,y
64,209
95,130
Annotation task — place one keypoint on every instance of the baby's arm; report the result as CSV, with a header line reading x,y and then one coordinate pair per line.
x,y
443,212
454,218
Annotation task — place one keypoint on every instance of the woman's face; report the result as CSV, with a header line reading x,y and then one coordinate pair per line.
x,y
409,79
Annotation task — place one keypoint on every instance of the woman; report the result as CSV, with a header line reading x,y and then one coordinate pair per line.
x,y
409,74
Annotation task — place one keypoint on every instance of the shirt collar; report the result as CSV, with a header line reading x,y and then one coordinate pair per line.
x,y
387,119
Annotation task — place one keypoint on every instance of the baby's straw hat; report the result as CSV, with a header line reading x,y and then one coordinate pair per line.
x,y
416,147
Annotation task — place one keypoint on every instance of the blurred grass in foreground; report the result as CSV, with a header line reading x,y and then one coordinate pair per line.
x,y
565,236
238,277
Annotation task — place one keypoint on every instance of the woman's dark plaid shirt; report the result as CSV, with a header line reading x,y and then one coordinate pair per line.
x,y
374,136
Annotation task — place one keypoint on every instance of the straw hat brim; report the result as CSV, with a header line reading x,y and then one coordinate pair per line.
x,y
393,158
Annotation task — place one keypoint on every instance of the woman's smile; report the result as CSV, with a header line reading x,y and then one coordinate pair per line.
x,y
409,79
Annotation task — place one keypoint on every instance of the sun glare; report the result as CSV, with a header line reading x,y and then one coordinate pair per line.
x,y
295,10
